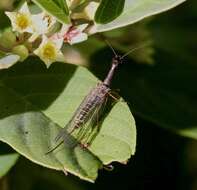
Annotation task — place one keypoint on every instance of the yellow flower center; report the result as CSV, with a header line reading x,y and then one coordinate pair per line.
x,y
22,21
49,51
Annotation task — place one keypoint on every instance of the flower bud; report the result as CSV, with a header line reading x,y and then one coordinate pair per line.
x,y
22,51
7,39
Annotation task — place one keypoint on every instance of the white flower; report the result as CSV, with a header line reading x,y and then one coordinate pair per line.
x,y
50,50
72,34
21,20
42,23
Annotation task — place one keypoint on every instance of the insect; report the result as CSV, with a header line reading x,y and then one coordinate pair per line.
x,y
90,107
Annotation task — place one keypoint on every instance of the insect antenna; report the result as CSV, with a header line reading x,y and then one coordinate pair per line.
x,y
113,50
129,52
134,49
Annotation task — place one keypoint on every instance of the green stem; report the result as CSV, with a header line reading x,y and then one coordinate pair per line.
x,y
5,50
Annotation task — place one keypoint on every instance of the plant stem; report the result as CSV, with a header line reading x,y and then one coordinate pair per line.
x,y
3,49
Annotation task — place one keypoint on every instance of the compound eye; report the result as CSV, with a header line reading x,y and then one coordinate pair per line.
x,y
103,91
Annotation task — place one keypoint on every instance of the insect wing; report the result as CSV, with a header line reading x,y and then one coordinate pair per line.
x,y
90,129
75,132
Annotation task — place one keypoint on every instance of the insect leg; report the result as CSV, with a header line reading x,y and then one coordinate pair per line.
x,y
115,96
55,147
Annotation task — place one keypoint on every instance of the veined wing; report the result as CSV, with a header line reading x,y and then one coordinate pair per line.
x,y
65,135
90,129
87,112
85,134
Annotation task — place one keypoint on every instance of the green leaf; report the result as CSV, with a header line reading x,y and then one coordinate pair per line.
x,y
47,179
117,138
36,102
4,21
57,8
135,10
6,162
63,5
109,10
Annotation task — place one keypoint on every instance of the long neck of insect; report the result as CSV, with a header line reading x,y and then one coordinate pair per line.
x,y
110,74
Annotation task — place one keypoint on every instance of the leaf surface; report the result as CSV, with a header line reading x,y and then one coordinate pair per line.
x,y
136,10
36,103
6,162
109,10
57,8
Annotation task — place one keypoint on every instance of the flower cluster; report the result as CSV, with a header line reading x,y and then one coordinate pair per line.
x,y
39,26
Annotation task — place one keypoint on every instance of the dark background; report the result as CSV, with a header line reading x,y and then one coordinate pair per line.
x,y
163,159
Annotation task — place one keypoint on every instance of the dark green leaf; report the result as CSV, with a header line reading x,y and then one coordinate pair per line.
x,y
163,93
55,8
109,10
6,162
63,5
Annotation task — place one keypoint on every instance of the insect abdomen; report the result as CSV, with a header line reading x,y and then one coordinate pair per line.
x,y
86,110
89,105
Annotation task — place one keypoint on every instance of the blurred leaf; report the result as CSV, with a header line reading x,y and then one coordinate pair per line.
x,y
55,8
4,21
163,94
109,10
6,162
135,10
63,5
2,54
47,179
91,46
131,37
18,3
35,102
177,35
122,40
6,4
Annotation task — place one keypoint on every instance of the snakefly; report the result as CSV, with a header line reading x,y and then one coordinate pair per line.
x,y
89,109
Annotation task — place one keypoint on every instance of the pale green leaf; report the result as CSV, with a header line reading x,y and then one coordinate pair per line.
x,y
117,138
136,10
36,102
6,162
